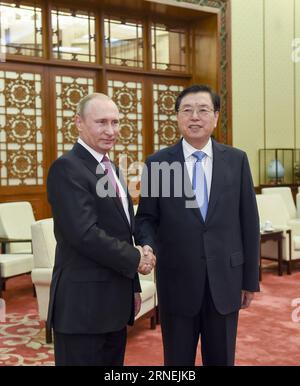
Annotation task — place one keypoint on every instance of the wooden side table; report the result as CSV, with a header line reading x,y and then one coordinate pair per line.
x,y
277,236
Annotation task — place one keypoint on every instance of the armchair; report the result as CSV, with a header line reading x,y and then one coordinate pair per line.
x,y
148,307
15,221
273,208
43,245
286,194
16,256
14,264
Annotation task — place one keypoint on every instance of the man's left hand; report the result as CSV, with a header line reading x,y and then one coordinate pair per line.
x,y
247,298
137,303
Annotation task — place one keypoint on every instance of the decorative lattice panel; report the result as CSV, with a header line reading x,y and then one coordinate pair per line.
x,y
21,129
128,97
165,124
69,91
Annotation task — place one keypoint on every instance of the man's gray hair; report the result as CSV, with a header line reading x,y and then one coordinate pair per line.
x,y
85,100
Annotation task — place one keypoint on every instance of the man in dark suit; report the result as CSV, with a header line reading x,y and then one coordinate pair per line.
x,y
206,239
95,288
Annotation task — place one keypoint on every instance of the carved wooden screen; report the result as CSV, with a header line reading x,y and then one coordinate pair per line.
x,y
141,115
165,131
21,128
71,50
127,93
69,89
37,107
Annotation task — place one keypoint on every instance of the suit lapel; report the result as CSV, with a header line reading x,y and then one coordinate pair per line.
x,y
89,161
119,203
217,183
188,195
93,165
218,179
131,212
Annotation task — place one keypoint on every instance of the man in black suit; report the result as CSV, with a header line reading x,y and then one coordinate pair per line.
x,y
206,239
95,287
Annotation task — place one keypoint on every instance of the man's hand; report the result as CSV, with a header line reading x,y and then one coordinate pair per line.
x,y
247,298
147,261
147,249
137,303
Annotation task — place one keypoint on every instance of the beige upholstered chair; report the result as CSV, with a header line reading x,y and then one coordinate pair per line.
x,y
14,264
16,258
272,208
149,303
287,197
15,222
298,203
44,243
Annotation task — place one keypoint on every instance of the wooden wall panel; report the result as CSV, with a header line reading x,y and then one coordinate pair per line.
x,y
61,83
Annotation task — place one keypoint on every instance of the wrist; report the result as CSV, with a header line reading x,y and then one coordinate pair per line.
x,y
148,247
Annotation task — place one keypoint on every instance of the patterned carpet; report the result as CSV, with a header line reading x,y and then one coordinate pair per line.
x,y
267,335
22,341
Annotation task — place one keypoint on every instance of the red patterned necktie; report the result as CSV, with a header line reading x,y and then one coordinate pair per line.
x,y
108,170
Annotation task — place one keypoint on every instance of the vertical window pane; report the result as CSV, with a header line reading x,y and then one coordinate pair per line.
x,y
73,35
123,43
168,48
21,29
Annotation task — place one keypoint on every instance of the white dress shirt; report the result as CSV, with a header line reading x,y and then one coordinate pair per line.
x,y
98,157
207,162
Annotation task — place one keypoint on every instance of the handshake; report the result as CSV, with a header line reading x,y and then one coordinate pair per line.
x,y
147,261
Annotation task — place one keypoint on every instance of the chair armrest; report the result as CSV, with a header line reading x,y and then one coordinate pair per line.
x,y
298,205
282,227
294,225
294,221
5,240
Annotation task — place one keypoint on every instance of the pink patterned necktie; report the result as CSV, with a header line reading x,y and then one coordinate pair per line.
x,y
108,170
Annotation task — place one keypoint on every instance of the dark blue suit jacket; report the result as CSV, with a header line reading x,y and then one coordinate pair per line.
x,y
95,271
224,248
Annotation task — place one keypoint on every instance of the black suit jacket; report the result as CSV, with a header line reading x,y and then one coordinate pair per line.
x,y
224,248
94,275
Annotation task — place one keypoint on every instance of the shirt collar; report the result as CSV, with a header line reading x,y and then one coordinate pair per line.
x,y
188,149
93,152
